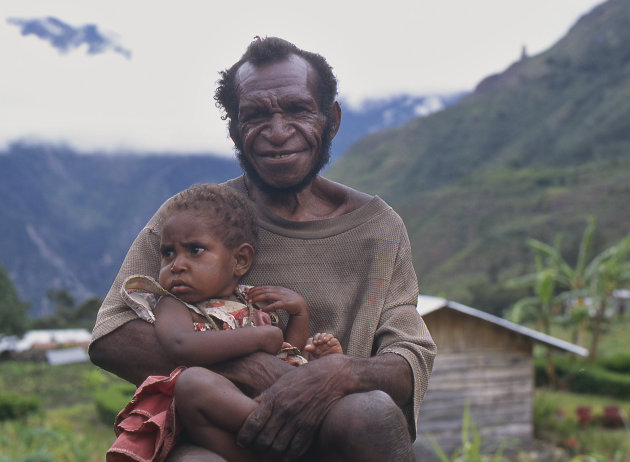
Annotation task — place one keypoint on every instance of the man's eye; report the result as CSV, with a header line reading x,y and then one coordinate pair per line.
x,y
297,108
250,116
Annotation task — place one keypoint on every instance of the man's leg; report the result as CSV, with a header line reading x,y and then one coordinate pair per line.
x,y
367,427
186,452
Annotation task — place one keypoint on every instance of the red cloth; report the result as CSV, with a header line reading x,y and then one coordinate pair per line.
x,y
146,428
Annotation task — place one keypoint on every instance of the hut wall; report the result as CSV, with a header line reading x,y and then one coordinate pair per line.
x,y
486,368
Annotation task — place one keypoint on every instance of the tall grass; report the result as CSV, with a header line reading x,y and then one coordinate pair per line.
x,y
68,427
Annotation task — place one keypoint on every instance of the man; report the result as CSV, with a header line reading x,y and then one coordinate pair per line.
x,y
346,252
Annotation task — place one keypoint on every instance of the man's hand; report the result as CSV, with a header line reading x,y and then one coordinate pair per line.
x,y
293,408
253,373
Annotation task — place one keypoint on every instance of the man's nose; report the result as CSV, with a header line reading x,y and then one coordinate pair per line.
x,y
278,129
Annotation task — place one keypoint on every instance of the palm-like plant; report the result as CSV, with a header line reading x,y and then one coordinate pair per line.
x,y
572,280
610,269
593,280
538,308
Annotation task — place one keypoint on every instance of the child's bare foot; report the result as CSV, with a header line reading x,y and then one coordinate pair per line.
x,y
322,344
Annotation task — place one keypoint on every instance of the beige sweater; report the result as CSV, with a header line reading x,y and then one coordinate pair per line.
x,y
355,272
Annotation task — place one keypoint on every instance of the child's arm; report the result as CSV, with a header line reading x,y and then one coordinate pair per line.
x,y
174,329
281,298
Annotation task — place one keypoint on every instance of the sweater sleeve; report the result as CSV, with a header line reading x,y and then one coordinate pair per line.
x,y
143,258
401,330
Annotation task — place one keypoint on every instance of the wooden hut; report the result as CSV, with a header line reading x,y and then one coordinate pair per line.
x,y
484,363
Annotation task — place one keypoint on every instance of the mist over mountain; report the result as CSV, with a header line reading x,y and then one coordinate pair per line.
x,y
533,152
375,115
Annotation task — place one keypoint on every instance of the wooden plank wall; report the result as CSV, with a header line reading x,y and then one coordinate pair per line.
x,y
492,373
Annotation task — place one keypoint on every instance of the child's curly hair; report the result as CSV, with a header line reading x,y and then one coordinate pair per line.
x,y
230,215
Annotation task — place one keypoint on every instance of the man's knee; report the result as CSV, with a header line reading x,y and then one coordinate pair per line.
x,y
186,452
367,426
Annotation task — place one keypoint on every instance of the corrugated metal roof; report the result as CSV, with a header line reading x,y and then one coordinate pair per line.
x,y
428,304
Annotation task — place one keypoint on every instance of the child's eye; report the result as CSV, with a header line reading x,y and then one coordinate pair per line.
x,y
167,253
196,250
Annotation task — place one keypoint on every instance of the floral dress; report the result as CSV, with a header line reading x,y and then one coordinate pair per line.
x,y
147,428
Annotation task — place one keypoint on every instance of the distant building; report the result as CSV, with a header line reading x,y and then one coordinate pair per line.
x,y
36,345
483,362
67,356
46,339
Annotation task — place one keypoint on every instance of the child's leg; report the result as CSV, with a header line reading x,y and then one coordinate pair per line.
x,y
212,410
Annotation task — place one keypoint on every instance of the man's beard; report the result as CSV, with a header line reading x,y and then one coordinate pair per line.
x,y
322,159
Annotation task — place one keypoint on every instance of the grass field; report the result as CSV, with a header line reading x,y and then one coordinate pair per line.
x,y
68,427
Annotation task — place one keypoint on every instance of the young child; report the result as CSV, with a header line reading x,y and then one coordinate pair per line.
x,y
199,311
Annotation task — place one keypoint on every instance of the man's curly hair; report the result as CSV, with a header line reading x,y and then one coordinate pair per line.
x,y
267,50
229,215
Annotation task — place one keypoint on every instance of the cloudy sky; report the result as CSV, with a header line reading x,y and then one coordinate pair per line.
x,y
148,84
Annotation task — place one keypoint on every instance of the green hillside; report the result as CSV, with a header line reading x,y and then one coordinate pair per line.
x,y
532,152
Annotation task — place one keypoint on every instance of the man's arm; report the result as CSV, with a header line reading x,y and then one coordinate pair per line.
x,y
292,409
133,352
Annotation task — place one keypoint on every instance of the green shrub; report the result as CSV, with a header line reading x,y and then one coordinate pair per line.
x,y
617,363
599,381
109,401
15,406
586,378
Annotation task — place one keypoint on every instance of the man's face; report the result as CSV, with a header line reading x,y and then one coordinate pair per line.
x,y
283,134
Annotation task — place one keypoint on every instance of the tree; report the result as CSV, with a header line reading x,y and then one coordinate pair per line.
x,y
593,280
611,269
13,312
573,279
538,308
66,313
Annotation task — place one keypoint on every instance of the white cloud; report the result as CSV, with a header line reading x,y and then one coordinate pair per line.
x,y
161,99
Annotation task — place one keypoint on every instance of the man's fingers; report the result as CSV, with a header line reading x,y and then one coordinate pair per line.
x,y
300,442
251,427
281,441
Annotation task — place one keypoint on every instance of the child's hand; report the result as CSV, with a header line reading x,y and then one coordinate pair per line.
x,y
279,298
322,344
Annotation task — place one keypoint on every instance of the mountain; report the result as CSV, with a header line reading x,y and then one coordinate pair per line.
x,y
67,220
375,115
532,152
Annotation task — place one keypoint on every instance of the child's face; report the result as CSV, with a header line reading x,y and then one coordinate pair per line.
x,y
195,264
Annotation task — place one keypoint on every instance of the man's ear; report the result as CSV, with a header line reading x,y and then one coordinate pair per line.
x,y
336,119
243,259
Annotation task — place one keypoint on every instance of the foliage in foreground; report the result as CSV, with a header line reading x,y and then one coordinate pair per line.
x,y
68,428
471,448
556,421
54,437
